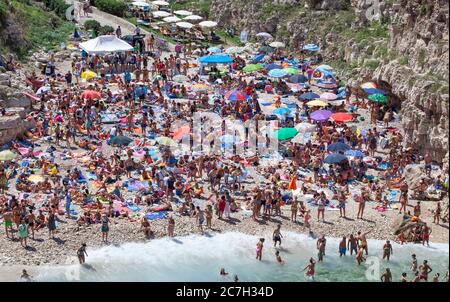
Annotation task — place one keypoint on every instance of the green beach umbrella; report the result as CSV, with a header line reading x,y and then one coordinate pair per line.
x,y
252,67
291,70
120,141
380,98
285,133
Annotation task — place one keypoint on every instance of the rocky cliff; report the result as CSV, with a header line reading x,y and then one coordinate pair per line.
x,y
403,44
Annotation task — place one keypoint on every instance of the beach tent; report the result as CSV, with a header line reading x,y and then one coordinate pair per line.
x,y
214,59
105,44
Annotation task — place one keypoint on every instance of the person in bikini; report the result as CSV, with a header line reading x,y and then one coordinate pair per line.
x,y
310,269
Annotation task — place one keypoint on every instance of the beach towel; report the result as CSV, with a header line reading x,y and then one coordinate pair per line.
x,y
91,176
109,118
82,179
393,196
156,215
136,186
384,166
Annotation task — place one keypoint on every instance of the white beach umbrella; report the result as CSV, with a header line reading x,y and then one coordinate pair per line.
x,y
161,14
208,24
264,35
186,25
305,127
140,4
160,3
42,90
182,13
277,44
193,18
171,19
234,49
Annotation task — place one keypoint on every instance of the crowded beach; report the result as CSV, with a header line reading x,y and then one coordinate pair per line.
x,y
117,155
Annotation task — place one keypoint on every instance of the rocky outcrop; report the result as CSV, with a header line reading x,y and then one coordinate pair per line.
x,y
408,55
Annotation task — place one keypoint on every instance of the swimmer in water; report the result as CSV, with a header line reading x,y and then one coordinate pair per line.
x,y
310,269
81,253
424,269
278,257
387,250
223,272
436,277
413,263
343,247
387,276
359,256
404,278
235,278
25,276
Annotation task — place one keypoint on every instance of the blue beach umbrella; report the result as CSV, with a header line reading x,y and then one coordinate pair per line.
x,y
338,146
374,91
281,111
309,96
335,158
277,73
258,58
273,66
298,78
214,50
354,153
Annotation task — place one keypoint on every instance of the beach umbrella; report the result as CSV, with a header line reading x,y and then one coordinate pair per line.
x,y
326,67
311,47
277,44
90,94
298,78
120,141
264,35
171,19
208,24
235,95
335,158
165,141
181,132
182,13
7,155
342,117
379,98
291,70
42,90
258,58
309,96
140,4
369,85
355,153
233,50
281,111
179,78
305,128
374,91
252,67
316,103
285,133
266,49
273,66
200,87
277,73
321,115
338,146
160,3
87,75
214,50
161,14
328,96
185,25
193,18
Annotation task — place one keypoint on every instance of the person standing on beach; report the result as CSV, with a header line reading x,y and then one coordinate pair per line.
x,y
105,228
259,249
343,247
387,250
209,216
170,226
200,216
277,236
81,253
7,218
23,233
387,276
51,224
310,269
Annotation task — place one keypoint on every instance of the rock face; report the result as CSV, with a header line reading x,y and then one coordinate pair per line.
x,y
408,55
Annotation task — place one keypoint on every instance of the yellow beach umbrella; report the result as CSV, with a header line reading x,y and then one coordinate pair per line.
x,y
35,178
87,75
316,103
7,155
166,141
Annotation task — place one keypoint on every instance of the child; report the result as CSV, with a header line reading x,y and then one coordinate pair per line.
x,y
279,260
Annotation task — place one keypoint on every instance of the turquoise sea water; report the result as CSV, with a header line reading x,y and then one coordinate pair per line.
x,y
199,258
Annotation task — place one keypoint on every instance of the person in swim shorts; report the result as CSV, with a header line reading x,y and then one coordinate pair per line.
x,y
343,247
277,236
